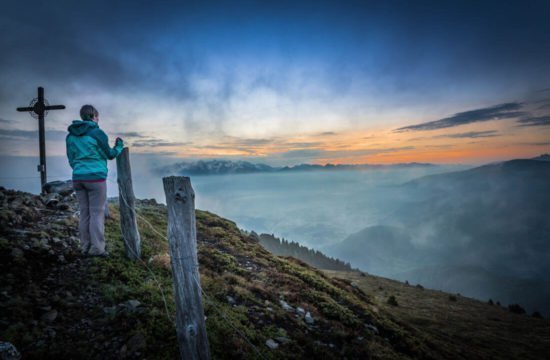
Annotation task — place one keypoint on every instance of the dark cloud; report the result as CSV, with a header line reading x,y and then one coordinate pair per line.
x,y
4,121
545,106
444,146
158,143
131,134
535,121
471,135
304,144
544,143
248,141
498,112
17,134
326,133
320,153
155,153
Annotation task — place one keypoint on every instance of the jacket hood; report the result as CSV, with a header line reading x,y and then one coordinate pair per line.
x,y
81,127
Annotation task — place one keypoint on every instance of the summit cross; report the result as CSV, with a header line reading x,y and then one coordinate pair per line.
x,y
39,108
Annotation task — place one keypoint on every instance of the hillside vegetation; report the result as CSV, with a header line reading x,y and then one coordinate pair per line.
x,y
56,304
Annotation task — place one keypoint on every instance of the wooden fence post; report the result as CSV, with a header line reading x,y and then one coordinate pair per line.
x,y
126,200
191,329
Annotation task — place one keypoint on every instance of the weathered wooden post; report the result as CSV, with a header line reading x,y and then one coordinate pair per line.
x,y
126,200
182,236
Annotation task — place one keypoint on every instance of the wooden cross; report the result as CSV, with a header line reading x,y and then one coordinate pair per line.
x,y
40,107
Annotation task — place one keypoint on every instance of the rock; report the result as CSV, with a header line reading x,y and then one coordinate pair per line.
x,y
50,316
17,253
51,200
300,311
231,300
371,328
50,332
309,319
60,187
285,305
272,344
109,310
282,339
136,343
8,351
132,305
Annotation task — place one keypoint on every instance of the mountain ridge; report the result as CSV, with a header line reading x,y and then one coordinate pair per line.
x,y
219,167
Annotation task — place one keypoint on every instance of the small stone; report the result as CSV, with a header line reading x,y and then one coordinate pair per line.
x,y
136,343
300,311
285,305
50,332
132,305
50,316
272,344
372,328
17,253
109,310
231,300
282,339
8,351
309,319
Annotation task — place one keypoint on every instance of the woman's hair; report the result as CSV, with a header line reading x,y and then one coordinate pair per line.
x,y
87,112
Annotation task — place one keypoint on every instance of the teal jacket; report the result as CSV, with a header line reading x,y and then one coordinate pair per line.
x,y
88,150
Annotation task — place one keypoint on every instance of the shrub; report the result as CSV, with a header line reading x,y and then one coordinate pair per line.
x,y
452,297
490,302
418,286
516,309
392,301
537,315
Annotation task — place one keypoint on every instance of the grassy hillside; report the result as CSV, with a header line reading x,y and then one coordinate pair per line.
x,y
56,304
460,327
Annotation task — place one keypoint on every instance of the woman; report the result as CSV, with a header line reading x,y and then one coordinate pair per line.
x,y
88,151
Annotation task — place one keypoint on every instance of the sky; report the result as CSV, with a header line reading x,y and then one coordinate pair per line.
x,y
284,82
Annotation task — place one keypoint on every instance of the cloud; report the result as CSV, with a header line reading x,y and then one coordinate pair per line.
x,y
4,121
326,133
319,153
18,134
498,112
158,143
471,135
443,146
535,121
131,134
237,141
543,107
305,144
544,143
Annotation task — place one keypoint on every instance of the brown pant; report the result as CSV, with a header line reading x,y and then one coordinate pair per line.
x,y
91,202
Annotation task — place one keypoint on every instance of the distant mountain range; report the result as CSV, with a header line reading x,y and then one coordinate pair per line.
x,y
220,167
484,232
